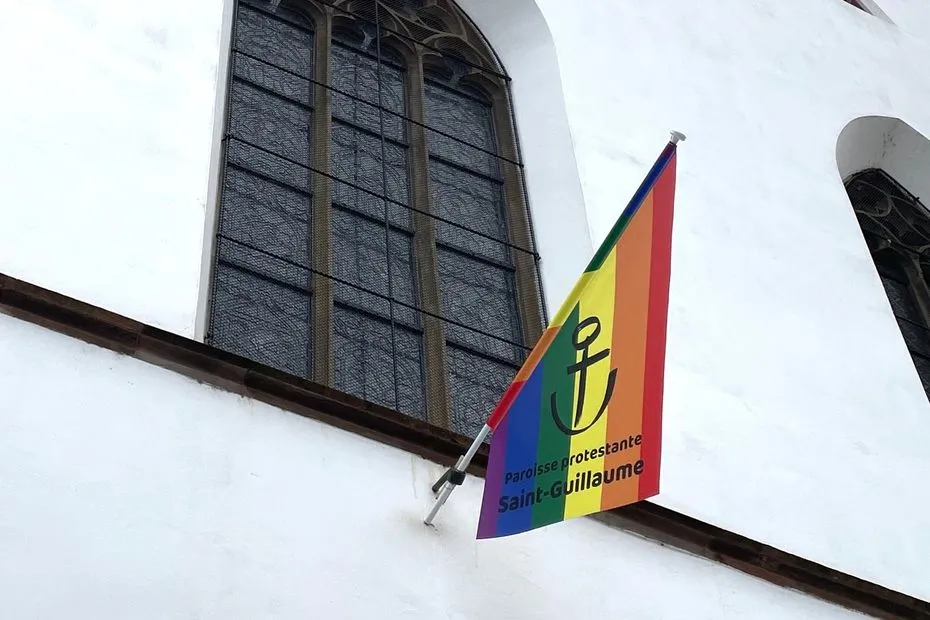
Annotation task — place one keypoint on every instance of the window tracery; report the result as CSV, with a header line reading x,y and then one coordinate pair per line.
x,y
896,226
373,232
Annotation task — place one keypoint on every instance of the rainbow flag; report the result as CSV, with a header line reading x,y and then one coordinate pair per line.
x,y
579,430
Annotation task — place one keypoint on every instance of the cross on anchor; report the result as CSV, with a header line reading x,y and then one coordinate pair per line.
x,y
581,369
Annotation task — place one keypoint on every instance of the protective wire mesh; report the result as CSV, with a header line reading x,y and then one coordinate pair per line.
x,y
897,228
373,231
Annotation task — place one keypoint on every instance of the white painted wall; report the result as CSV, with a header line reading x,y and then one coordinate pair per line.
x,y
108,139
128,491
105,125
865,143
793,414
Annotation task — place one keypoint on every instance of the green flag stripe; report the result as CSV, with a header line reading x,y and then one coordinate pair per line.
x,y
553,444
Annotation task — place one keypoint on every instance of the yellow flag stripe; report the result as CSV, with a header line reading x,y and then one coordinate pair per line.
x,y
596,300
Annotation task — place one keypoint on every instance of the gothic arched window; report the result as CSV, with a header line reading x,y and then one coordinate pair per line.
x,y
373,232
897,229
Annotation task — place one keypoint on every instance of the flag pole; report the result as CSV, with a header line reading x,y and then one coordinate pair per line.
x,y
455,475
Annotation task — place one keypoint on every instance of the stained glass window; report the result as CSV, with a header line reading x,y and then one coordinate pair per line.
x,y
897,228
378,348
371,236
476,275
261,292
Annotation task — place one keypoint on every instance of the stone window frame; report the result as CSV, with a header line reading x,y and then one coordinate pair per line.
x,y
402,34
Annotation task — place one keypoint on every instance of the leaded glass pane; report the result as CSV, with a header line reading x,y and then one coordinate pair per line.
x,y
261,320
265,227
276,51
916,337
482,297
267,164
270,122
365,367
478,385
901,303
275,80
472,202
357,75
360,257
271,40
357,160
464,121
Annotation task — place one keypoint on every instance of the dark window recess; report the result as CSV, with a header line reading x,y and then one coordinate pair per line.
x,y
856,4
367,219
897,229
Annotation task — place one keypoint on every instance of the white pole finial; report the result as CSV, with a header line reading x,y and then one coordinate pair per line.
x,y
677,137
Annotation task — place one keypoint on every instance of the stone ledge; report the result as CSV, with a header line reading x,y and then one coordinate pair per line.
x,y
242,376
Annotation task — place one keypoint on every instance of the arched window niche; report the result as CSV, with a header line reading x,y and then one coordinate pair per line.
x,y
372,229
885,166
871,7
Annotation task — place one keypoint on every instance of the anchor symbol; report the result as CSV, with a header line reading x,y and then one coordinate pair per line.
x,y
581,368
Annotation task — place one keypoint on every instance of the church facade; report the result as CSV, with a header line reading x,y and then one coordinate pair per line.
x,y
266,266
